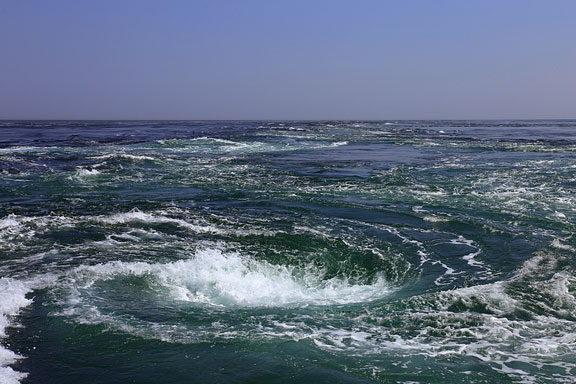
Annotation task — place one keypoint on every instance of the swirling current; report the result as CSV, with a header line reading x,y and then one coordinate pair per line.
x,y
287,252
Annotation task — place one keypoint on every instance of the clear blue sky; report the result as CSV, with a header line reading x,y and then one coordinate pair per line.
x,y
275,59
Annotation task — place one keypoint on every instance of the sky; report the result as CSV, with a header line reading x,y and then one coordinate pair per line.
x,y
287,59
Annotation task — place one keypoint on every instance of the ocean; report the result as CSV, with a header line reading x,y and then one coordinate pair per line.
x,y
287,252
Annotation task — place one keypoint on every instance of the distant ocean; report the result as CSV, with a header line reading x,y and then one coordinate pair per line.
x,y
287,252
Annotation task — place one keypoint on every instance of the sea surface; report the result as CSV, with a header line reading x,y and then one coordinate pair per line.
x,y
287,252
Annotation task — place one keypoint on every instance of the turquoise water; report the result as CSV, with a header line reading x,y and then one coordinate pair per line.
x,y
288,252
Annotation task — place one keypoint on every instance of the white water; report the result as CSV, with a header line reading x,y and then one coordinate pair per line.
x,y
228,279
12,300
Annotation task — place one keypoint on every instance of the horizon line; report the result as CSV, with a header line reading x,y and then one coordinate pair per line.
x,y
275,119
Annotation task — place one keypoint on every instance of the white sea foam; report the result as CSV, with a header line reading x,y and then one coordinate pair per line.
x,y
435,219
215,278
9,222
25,149
556,243
123,155
83,172
212,145
197,225
137,215
15,227
229,279
492,338
470,257
217,145
214,139
12,300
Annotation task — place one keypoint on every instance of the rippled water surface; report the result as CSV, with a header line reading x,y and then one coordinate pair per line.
x,y
288,252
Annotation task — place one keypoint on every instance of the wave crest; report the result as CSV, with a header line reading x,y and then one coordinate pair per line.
x,y
217,278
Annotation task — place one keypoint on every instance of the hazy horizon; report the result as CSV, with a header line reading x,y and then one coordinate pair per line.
x,y
257,60
290,120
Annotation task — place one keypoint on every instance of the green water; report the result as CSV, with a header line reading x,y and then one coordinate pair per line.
x,y
288,252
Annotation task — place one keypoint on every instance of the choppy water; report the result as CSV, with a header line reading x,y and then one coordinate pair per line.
x,y
288,252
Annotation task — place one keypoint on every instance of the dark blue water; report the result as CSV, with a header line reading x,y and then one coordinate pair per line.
x,y
287,252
